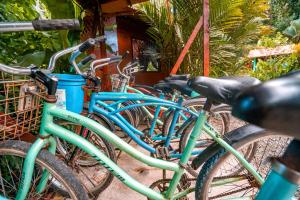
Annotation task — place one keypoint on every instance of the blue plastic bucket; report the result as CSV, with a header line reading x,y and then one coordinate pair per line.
x,y
70,94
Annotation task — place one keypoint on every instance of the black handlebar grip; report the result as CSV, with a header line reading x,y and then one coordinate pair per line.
x,y
88,59
116,58
87,44
56,24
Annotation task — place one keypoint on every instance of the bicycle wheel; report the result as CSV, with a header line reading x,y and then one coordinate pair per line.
x,y
134,112
62,183
218,119
218,178
65,148
89,171
193,104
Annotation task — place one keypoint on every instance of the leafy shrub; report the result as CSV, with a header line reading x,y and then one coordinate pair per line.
x,y
284,11
33,47
274,66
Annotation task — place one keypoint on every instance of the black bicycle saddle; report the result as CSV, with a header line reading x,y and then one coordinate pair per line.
x,y
273,105
221,90
183,77
163,86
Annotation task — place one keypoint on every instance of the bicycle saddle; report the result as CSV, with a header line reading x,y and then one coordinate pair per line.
x,y
183,77
179,85
221,90
163,86
274,105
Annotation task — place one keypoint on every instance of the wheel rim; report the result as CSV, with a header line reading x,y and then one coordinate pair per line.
x,y
11,172
225,183
88,169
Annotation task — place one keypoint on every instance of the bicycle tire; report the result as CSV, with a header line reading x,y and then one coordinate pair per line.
x,y
48,161
134,112
187,131
217,161
94,189
61,149
186,103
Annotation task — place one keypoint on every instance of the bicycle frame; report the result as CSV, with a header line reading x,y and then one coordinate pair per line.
x,y
49,129
112,112
148,113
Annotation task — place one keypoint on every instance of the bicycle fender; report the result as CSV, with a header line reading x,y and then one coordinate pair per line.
x,y
233,138
108,122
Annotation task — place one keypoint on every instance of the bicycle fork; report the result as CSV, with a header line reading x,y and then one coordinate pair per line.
x,y
28,167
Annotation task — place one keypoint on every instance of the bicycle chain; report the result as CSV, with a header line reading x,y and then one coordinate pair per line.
x,y
251,180
229,193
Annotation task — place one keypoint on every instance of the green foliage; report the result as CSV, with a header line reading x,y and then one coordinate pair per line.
x,y
162,30
284,11
272,41
293,31
233,24
33,47
274,66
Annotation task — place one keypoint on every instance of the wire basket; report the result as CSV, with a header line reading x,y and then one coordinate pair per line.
x,y
20,111
117,81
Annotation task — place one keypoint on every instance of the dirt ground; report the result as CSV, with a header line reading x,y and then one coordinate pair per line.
x,y
141,172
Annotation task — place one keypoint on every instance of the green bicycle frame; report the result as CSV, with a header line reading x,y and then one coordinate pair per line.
x,y
49,129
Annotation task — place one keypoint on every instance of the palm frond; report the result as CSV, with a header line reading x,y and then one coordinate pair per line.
x,y
233,24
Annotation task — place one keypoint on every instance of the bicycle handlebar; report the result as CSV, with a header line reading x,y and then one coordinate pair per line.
x,y
87,60
40,25
56,24
103,62
89,43
77,50
83,47
59,54
17,70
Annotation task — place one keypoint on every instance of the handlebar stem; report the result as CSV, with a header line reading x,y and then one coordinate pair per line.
x,y
73,57
59,54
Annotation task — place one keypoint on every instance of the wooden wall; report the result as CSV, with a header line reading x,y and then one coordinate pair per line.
x,y
129,27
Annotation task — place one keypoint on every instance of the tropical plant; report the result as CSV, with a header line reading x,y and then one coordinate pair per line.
x,y
284,11
274,66
162,30
233,24
32,47
293,31
272,41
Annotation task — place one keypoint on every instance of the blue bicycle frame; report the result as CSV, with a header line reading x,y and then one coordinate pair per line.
x,y
112,112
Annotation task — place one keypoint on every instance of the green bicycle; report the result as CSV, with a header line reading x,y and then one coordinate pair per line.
x,y
40,175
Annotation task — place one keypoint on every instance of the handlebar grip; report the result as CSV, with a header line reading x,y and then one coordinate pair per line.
x,y
88,59
116,58
87,44
101,38
56,24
